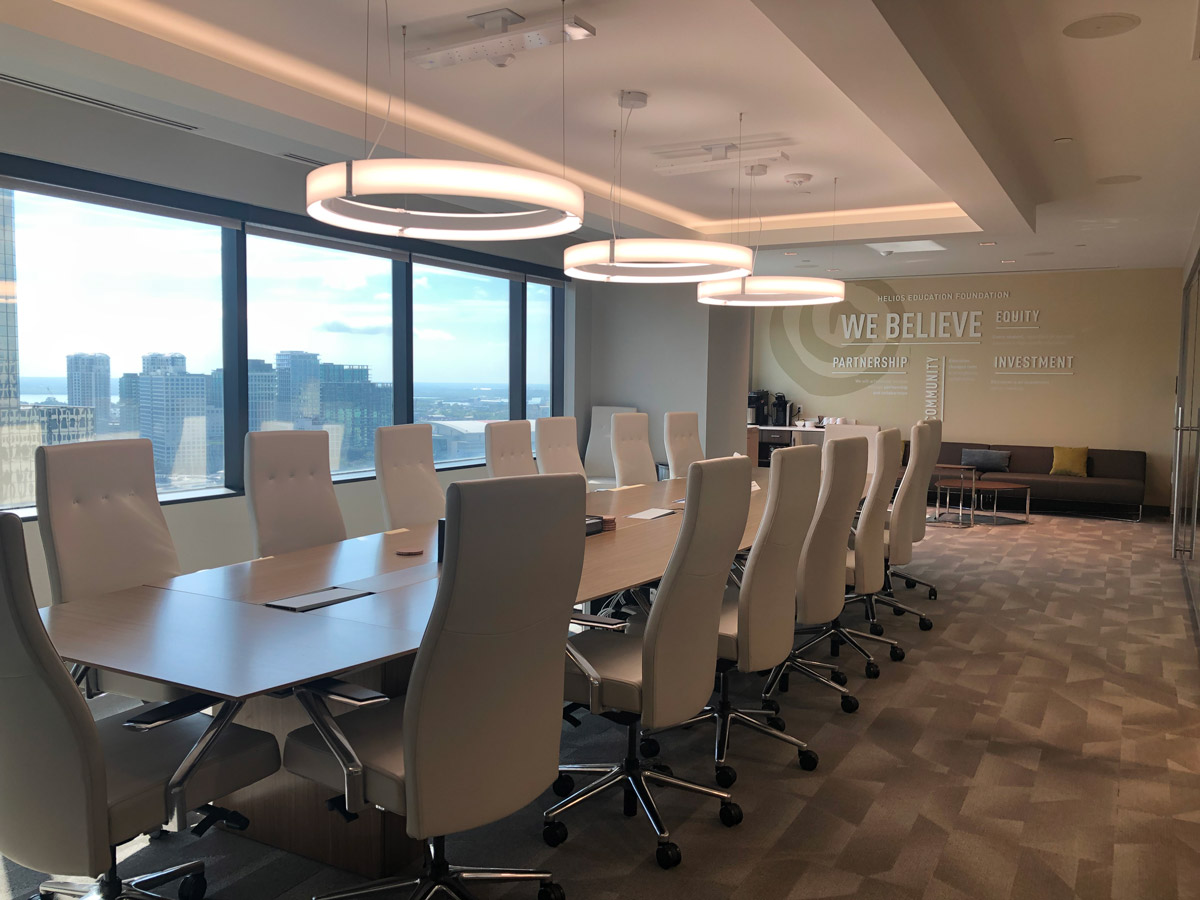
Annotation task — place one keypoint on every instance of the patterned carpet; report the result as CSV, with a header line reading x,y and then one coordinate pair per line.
x,y
1043,741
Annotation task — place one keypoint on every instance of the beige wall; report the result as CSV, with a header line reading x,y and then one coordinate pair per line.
x,y
1084,358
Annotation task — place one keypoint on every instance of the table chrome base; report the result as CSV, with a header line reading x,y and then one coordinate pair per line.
x,y
110,887
440,879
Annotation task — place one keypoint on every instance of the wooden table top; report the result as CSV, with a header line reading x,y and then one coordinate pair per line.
x,y
208,631
356,562
215,646
1000,486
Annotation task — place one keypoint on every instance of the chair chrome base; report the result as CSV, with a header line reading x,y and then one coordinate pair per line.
x,y
440,879
110,887
724,717
632,775
896,573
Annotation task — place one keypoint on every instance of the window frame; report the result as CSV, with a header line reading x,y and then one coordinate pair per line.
x,y
236,219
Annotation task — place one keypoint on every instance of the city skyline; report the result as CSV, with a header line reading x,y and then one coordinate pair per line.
x,y
164,276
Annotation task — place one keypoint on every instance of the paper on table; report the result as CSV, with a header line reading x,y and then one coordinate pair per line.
x,y
652,513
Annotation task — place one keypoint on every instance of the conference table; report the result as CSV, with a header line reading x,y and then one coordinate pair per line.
x,y
210,632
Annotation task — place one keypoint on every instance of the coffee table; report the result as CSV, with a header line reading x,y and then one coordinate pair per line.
x,y
996,487
966,515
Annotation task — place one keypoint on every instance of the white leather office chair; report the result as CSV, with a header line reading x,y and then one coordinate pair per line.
x,y
289,490
920,508
597,457
663,676
866,560
758,619
508,449
477,736
103,530
558,446
908,508
820,585
631,452
408,482
71,788
850,428
682,433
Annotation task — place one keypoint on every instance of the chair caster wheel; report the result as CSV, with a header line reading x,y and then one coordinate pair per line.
x,y
876,629
554,833
838,677
926,624
564,786
663,769
157,834
872,670
909,583
849,703
551,891
726,776
668,855
731,814
777,723
897,654
649,747
897,612
808,760
192,887
771,706
933,593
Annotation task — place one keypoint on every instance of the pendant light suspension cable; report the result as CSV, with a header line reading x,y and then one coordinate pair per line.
x,y
359,194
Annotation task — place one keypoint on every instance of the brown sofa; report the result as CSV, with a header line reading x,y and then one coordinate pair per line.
x,y
1115,478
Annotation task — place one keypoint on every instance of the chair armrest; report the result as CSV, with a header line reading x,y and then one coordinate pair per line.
x,y
171,712
345,692
592,676
589,621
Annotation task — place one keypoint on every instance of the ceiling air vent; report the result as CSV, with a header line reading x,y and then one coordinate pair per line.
x,y
307,160
92,101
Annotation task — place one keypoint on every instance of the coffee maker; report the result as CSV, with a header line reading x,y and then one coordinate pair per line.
x,y
781,412
756,408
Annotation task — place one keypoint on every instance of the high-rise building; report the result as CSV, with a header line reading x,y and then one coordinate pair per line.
x,y
352,407
299,386
89,384
10,368
127,401
24,428
164,363
172,413
263,388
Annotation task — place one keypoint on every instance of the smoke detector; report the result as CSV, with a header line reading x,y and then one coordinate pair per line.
x,y
798,179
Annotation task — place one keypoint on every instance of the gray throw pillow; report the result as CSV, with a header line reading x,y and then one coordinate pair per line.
x,y
986,460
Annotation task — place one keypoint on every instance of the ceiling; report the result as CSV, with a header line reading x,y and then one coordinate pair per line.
x,y
938,118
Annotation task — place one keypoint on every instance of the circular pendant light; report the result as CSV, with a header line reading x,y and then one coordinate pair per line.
x,y
349,194
650,260
772,290
656,261
373,195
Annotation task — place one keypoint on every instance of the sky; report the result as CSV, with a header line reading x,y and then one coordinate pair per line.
x,y
92,279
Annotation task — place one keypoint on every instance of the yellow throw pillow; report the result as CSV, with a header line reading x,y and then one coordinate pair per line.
x,y
1070,461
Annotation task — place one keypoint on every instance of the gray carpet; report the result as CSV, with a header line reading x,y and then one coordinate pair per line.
x,y
1043,741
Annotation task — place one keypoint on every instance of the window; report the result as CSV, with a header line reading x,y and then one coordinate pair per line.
x,y
539,338
460,357
110,327
320,345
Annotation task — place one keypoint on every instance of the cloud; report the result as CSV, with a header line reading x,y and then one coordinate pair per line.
x,y
432,334
343,328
